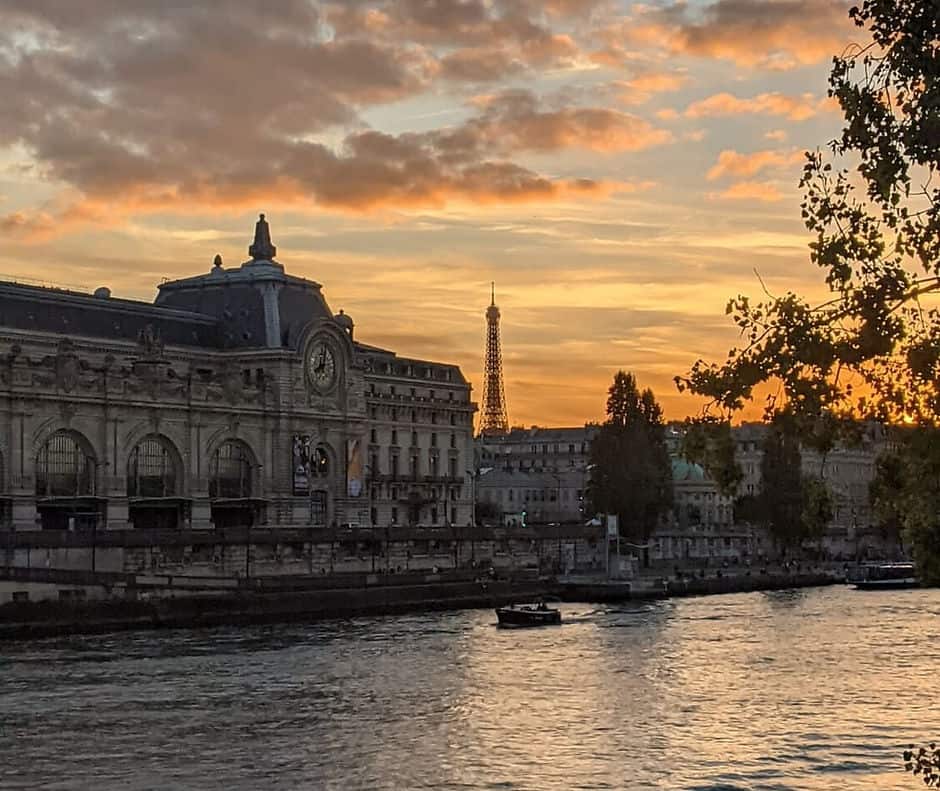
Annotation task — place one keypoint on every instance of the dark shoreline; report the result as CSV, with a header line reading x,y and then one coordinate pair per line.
x,y
28,620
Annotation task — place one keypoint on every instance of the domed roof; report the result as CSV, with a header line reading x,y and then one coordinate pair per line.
x,y
683,470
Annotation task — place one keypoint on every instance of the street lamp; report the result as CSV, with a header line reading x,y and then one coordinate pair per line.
x,y
473,498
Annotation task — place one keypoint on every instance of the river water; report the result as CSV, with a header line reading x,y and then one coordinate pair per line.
x,y
811,689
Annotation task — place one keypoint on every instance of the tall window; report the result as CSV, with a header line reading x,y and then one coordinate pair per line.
x,y
64,468
230,473
320,463
318,508
151,471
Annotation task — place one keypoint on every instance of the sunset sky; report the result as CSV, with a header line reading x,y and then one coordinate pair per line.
x,y
619,169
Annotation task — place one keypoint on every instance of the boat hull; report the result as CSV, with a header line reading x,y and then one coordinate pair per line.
x,y
878,585
518,617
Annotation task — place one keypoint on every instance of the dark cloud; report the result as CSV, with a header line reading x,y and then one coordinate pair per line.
x,y
137,105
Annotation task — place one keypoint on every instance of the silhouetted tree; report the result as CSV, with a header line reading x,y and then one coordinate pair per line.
x,y
872,203
923,762
906,492
780,501
877,239
631,474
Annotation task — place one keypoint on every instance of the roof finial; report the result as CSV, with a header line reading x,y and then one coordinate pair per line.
x,y
262,249
492,292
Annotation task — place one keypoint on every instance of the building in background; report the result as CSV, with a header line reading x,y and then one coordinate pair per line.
x,y
536,475
236,399
847,472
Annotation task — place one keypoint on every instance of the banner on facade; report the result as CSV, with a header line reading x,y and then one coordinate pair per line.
x,y
612,527
354,467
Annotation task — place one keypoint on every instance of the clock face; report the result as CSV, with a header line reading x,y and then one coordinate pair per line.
x,y
321,366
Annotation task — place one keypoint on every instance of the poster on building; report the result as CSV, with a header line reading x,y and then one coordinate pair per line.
x,y
354,467
300,459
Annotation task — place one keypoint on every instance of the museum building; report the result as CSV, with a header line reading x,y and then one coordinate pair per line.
x,y
238,398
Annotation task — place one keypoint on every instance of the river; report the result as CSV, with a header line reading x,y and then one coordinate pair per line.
x,y
812,689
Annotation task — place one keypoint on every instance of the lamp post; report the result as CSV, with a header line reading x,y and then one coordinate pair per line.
x,y
473,498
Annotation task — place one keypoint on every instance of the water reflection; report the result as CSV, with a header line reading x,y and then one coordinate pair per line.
x,y
791,690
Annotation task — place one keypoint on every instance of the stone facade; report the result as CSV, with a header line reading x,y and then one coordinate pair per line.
x,y
237,399
541,473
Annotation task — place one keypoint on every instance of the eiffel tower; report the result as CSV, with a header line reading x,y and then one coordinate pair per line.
x,y
494,419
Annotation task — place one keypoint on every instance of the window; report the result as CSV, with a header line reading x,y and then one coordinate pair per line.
x,y
230,471
453,419
414,439
414,465
452,468
63,468
318,508
453,516
150,470
394,436
453,440
393,464
320,463
394,515
372,436
433,439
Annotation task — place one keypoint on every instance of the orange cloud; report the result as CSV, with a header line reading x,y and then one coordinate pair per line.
x,y
751,191
641,88
513,121
731,163
795,108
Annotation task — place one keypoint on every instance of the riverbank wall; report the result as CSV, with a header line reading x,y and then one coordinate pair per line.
x,y
306,599
79,615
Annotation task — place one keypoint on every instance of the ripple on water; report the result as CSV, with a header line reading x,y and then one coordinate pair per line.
x,y
802,691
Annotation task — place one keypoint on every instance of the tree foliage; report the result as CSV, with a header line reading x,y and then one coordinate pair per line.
x,y
905,495
631,474
872,203
923,762
710,443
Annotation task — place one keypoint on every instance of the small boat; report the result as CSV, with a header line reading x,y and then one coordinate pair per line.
x,y
527,615
884,576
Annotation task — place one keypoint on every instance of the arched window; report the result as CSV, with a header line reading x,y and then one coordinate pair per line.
x,y
151,469
64,468
320,464
231,471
